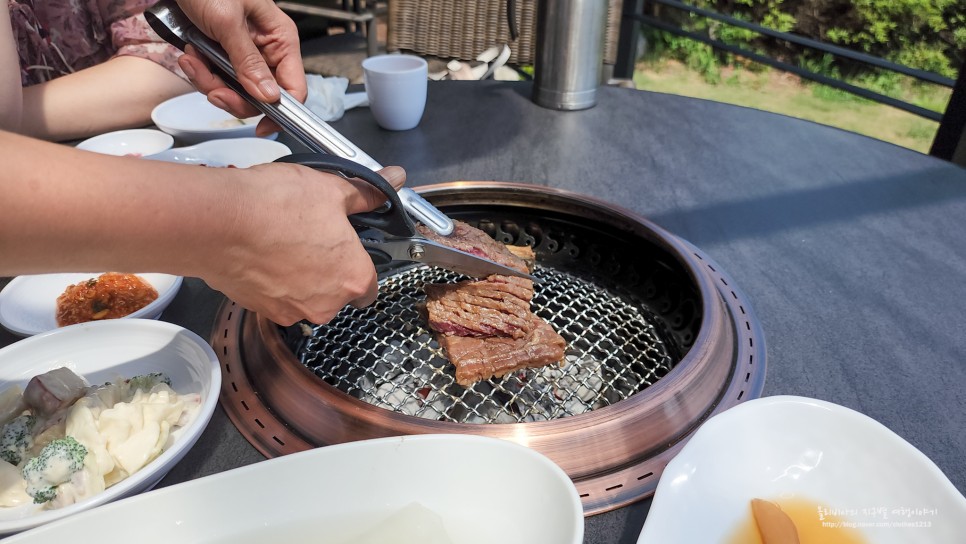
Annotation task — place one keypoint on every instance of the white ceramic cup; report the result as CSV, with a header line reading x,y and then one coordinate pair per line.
x,y
396,87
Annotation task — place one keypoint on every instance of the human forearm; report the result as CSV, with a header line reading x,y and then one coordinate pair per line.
x,y
119,93
11,98
69,210
275,238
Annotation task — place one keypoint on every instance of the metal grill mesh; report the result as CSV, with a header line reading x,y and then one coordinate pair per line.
x,y
386,356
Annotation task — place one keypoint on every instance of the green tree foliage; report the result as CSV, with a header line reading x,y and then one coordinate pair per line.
x,y
918,33
925,34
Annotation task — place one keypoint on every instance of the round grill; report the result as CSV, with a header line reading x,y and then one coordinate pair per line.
x,y
385,355
658,340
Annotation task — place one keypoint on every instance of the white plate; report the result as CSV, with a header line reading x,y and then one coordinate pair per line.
x,y
28,304
788,448
237,152
101,351
135,142
192,119
485,490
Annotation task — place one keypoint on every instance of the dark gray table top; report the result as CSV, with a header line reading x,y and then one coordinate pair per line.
x,y
850,249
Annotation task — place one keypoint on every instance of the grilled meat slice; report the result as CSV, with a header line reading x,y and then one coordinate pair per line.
x,y
485,326
496,306
473,240
478,359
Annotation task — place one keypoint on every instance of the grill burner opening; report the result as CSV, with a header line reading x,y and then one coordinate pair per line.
x,y
386,356
659,339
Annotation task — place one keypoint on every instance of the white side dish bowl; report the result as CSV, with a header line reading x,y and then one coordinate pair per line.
x,y
237,152
28,304
135,142
794,448
103,351
456,489
192,119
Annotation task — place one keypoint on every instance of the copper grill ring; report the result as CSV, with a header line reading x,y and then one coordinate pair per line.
x,y
614,452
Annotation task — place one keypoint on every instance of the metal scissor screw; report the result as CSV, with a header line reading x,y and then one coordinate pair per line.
x,y
416,251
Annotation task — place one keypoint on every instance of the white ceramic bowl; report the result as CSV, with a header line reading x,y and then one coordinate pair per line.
x,y
135,142
238,152
192,119
483,490
28,304
789,448
100,352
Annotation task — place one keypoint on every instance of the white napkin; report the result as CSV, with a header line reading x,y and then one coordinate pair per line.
x,y
328,99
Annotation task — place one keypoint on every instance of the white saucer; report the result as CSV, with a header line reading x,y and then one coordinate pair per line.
x,y
28,304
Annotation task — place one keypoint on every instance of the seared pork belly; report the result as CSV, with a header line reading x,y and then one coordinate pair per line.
x,y
486,327
478,359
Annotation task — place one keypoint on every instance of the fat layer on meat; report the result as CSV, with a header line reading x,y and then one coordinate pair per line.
x,y
526,254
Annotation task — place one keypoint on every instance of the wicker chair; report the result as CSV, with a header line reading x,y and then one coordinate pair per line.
x,y
462,29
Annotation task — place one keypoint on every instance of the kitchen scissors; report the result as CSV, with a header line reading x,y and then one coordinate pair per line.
x,y
389,234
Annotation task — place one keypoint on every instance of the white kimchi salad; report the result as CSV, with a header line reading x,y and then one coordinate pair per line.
x,y
63,440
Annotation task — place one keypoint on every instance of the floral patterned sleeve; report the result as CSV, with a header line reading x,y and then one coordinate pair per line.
x,y
131,35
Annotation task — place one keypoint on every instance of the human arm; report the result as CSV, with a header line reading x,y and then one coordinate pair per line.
x,y
116,94
274,238
11,96
263,46
128,69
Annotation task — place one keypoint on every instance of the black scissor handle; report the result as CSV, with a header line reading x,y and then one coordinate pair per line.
x,y
392,220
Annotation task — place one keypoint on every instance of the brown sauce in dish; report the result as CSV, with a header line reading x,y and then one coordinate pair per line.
x,y
812,523
108,296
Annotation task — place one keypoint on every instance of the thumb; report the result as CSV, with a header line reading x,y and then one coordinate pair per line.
x,y
365,197
395,175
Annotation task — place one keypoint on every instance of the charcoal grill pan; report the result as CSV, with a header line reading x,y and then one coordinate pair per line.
x,y
614,453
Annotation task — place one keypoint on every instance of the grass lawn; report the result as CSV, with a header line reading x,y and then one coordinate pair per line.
x,y
784,93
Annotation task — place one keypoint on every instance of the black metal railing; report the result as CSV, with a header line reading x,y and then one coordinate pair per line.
x,y
952,122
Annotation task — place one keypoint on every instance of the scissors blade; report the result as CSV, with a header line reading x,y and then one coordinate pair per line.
x,y
425,251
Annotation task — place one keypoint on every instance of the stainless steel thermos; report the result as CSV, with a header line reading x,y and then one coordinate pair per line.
x,y
569,53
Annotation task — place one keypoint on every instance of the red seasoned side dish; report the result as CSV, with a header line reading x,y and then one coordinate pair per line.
x,y
108,296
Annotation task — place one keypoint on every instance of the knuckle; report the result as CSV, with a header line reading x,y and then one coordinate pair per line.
x,y
321,317
356,291
252,63
287,25
368,280
284,320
